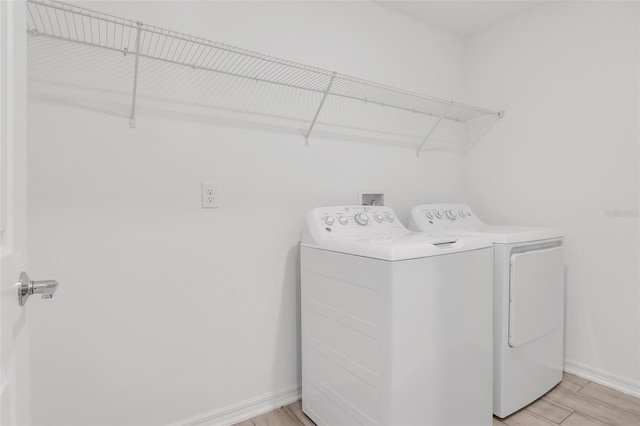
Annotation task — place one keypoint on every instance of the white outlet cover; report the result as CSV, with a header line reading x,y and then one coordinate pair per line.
x,y
210,195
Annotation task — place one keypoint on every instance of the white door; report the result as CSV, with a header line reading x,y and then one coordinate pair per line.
x,y
14,355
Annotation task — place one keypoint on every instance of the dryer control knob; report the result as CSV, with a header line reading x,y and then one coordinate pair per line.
x,y
329,220
439,214
362,219
378,217
390,217
343,220
462,214
451,214
429,214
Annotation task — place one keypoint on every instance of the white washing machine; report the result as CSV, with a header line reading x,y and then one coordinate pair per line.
x,y
528,301
396,325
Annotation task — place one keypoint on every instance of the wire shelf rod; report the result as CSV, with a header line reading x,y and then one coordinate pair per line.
x,y
84,43
81,11
192,39
417,95
415,111
63,21
234,50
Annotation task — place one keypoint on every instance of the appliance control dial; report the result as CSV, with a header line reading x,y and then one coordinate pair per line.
x,y
378,217
329,220
429,214
451,214
343,220
362,219
439,214
462,214
390,217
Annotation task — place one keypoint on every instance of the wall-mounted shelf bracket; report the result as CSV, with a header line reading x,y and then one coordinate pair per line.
x,y
315,117
482,130
433,129
132,118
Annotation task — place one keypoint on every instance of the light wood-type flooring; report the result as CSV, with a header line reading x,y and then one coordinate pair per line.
x,y
574,402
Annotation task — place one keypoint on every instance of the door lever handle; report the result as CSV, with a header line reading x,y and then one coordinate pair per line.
x,y
27,287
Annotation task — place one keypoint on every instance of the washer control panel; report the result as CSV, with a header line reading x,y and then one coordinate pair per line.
x,y
354,220
443,216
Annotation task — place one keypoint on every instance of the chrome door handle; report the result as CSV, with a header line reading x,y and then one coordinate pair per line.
x,y
27,287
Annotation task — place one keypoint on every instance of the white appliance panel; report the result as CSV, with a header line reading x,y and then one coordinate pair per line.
x,y
536,294
395,343
528,300
396,326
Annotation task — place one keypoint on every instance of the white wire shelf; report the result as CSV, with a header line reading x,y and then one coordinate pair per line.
x,y
68,22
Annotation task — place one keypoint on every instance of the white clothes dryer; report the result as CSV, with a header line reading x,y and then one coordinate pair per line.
x,y
396,325
528,301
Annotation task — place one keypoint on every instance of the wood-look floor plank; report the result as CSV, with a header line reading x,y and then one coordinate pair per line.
x,y
570,378
526,418
296,410
571,385
574,402
279,417
245,423
577,419
549,410
592,407
611,396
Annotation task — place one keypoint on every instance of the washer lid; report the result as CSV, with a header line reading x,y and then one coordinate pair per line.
x,y
375,232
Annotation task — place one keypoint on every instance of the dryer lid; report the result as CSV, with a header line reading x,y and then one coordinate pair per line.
x,y
503,234
460,220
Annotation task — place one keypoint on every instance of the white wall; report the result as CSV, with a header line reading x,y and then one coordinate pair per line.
x,y
166,311
565,153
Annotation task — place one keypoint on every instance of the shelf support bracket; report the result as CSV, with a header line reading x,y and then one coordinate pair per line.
x,y
315,117
483,130
132,118
433,129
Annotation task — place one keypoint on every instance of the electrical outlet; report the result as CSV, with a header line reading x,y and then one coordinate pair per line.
x,y
210,196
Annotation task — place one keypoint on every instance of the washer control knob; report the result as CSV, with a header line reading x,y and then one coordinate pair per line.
x,y
343,220
439,214
390,217
462,214
329,220
429,214
362,219
378,217
451,214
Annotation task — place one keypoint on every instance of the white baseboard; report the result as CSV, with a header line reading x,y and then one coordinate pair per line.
x,y
244,410
602,377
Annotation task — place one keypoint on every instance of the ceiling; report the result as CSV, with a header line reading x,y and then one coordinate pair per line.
x,y
462,18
